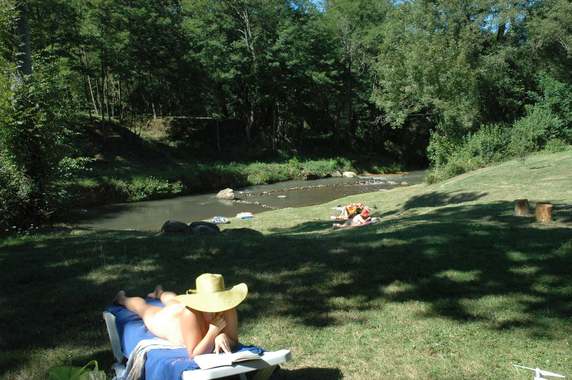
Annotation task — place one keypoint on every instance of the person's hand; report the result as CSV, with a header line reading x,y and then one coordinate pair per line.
x,y
222,343
218,323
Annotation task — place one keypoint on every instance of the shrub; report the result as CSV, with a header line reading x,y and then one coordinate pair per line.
x,y
533,131
556,145
487,145
323,168
557,98
546,125
144,188
33,111
260,173
440,149
15,191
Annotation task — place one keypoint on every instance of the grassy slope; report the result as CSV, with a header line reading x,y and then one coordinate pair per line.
x,y
448,285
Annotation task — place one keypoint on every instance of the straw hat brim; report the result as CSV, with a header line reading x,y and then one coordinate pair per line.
x,y
215,302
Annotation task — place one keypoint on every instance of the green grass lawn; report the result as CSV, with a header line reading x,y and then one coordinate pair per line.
x,y
449,285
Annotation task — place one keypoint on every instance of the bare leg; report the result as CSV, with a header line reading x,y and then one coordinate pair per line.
x,y
168,298
165,297
163,322
156,293
136,305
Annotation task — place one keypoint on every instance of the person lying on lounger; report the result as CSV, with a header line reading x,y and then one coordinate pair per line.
x,y
203,320
360,219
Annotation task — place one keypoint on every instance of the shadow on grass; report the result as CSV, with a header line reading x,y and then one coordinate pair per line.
x,y
445,259
562,213
435,199
308,374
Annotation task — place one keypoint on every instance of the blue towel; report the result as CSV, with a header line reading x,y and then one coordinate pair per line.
x,y
160,364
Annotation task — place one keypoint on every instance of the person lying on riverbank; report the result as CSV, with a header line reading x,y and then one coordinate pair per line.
x,y
203,320
348,212
361,219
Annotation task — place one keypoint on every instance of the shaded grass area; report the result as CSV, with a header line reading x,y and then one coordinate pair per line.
x,y
448,285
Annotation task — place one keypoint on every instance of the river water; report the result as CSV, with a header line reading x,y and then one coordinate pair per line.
x,y
150,215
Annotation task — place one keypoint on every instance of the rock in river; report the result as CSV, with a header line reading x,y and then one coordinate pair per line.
x,y
349,174
226,194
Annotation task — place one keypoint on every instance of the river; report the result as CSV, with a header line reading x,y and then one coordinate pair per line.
x,y
150,215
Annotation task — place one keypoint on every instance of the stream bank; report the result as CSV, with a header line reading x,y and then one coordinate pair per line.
x,y
150,215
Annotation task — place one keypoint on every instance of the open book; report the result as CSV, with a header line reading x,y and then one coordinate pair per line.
x,y
207,361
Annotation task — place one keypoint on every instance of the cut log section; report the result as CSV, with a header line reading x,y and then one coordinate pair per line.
x,y
521,207
544,212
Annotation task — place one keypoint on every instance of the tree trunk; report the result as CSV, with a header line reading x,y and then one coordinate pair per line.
x,y
249,124
24,49
349,98
102,93
501,31
544,212
120,100
89,86
98,97
521,207
92,95
218,135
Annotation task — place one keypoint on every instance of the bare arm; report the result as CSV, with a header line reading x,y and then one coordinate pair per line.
x,y
198,336
231,329
227,339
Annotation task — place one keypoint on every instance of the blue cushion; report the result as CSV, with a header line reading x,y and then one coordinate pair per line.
x,y
168,364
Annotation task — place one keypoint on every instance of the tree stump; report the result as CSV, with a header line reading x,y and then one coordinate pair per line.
x,y
544,212
521,207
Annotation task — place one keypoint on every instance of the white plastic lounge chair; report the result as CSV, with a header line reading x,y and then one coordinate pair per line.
x,y
264,368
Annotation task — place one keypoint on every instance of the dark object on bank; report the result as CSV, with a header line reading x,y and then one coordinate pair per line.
x,y
204,228
175,227
198,228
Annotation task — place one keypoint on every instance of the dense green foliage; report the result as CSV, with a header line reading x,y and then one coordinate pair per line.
x,y
545,125
308,77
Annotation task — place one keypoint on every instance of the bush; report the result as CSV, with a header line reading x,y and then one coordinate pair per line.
x,y
323,168
532,132
488,145
546,125
261,173
556,97
440,149
556,145
144,188
32,143
15,191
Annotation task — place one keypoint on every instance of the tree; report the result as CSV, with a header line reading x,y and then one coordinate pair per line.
x,y
24,55
435,57
551,37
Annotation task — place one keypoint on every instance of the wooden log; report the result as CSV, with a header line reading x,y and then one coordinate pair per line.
x,y
521,207
544,212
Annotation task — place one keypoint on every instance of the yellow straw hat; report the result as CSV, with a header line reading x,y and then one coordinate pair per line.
x,y
211,296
